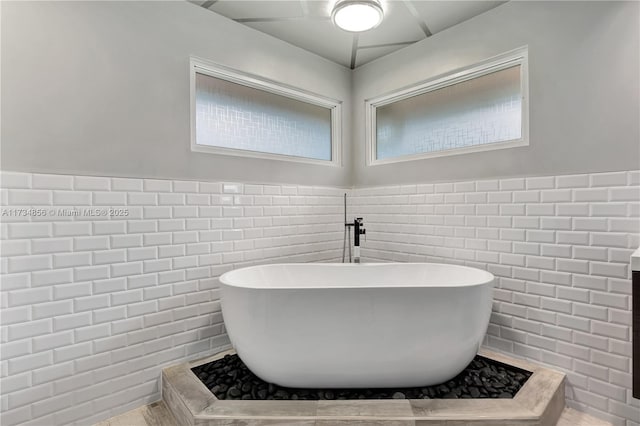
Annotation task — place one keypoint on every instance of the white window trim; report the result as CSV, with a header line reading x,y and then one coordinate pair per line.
x,y
509,59
202,66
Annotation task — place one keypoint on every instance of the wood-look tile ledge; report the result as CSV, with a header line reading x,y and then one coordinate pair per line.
x,y
539,402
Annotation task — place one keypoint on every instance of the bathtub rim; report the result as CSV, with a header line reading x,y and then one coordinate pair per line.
x,y
226,278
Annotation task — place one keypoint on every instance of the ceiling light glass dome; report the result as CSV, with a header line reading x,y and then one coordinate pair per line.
x,y
357,15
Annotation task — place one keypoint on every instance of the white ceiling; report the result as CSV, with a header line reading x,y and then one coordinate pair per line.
x,y
307,24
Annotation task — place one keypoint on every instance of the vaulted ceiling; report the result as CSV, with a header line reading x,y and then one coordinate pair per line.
x,y
307,24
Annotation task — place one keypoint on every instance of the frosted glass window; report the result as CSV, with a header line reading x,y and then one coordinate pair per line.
x,y
482,110
234,116
481,107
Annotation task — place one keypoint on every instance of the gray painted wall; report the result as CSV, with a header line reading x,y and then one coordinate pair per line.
x,y
583,89
102,88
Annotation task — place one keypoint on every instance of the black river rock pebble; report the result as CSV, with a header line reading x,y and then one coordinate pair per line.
x,y
228,378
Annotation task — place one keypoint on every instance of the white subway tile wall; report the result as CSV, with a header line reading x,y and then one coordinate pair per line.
x,y
559,248
94,304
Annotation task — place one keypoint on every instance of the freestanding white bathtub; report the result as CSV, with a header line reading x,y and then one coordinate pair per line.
x,y
370,325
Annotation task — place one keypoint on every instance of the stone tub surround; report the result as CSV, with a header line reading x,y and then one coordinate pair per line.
x,y
560,249
482,378
539,402
94,307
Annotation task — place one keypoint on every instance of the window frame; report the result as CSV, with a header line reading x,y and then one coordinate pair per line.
x,y
500,62
212,69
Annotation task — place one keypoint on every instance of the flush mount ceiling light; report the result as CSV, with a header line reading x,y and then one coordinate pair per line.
x,y
357,15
